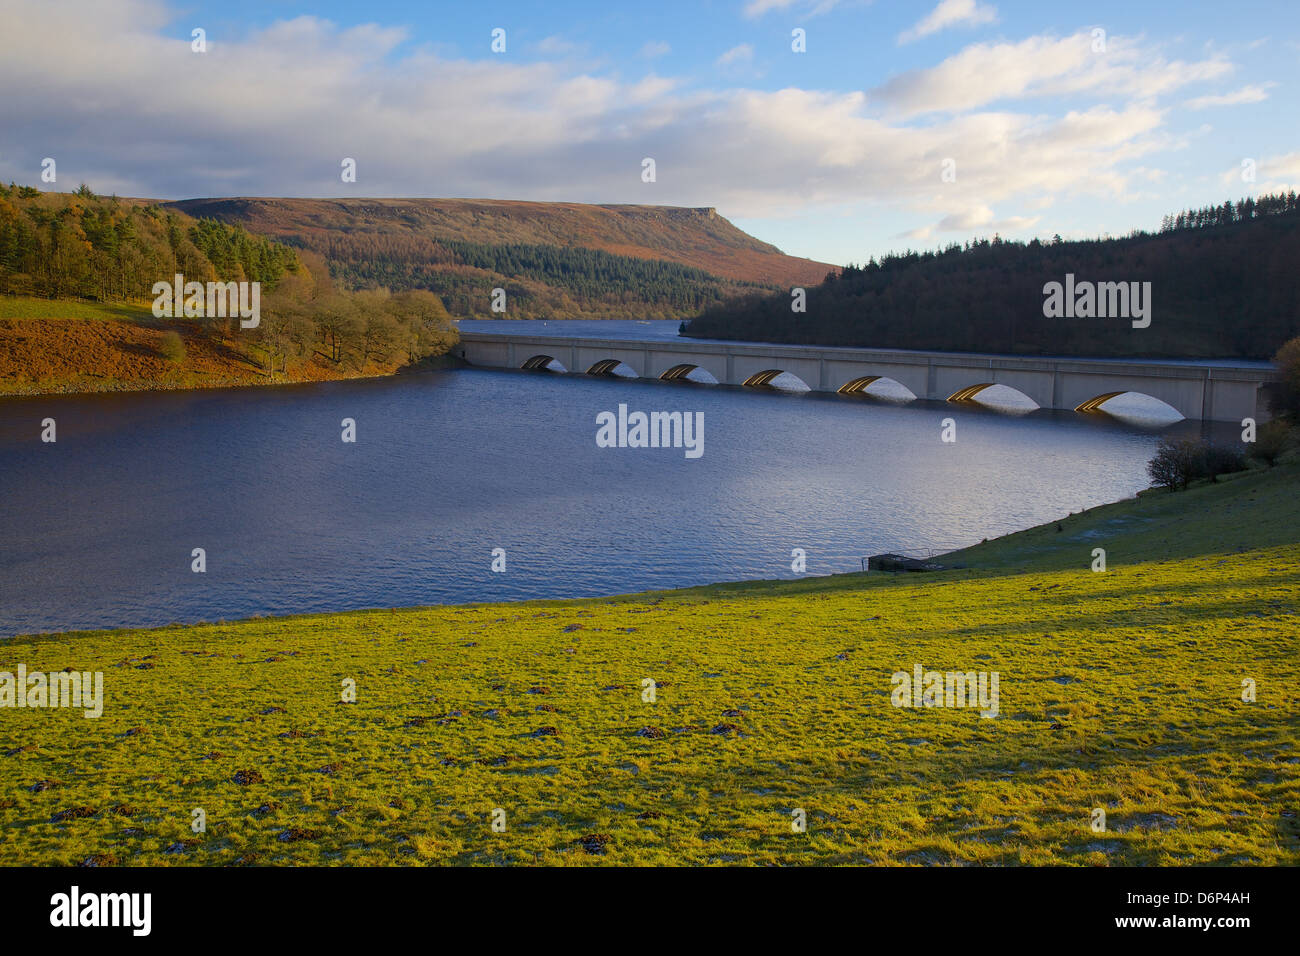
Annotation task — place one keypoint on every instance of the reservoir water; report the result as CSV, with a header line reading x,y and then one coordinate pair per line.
x,y
98,529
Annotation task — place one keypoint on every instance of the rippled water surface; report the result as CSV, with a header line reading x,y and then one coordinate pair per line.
x,y
97,529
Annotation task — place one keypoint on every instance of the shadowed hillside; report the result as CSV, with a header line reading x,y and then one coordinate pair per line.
x,y
555,260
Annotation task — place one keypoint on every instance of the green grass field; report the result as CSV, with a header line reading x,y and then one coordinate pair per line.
x,y
1119,690
27,307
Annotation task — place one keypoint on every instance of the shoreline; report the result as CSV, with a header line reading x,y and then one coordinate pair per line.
x,y
62,347
439,363
1048,546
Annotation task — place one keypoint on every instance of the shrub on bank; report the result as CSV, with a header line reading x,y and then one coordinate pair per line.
x,y
1284,394
172,348
1273,440
1176,463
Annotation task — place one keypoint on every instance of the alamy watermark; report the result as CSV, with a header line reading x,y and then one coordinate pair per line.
x,y
1098,300
213,300
74,908
57,689
652,430
922,688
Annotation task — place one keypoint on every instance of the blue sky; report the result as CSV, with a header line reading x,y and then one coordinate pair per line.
x,y
837,153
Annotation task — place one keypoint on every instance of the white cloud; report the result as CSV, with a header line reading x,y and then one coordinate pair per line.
x,y
985,73
970,218
976,218
757,8
1275,174
1286,165
558,46
1255,93
744,53
650,89
655,48
113,91
950,13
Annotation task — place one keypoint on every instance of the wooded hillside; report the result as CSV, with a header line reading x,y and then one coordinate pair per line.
x,y
555,260
1225,283
80,245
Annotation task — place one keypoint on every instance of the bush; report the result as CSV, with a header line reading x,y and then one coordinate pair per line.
x,y
1284,395
172,348
1171,466
1272,440
1215,460
1176,463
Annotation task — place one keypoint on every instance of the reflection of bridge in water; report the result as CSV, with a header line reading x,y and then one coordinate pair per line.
x,y
1220,391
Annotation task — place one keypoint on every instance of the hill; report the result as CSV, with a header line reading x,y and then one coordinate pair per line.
x,y
76,287
1119,690
1223,282
555,260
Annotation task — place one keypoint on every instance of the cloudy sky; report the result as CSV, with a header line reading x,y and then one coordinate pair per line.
x,y
904,123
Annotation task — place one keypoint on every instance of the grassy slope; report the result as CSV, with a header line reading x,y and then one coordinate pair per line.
x,y
21,308
51,345
1119,690
1240,512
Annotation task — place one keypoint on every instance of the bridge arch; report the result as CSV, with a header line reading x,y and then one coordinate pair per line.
x,y
543,362
1131,404
686,372
777,379
611,367
994,394
857,385
877,386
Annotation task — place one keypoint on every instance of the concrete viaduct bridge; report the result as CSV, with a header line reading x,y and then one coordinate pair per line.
x,y
1212,392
